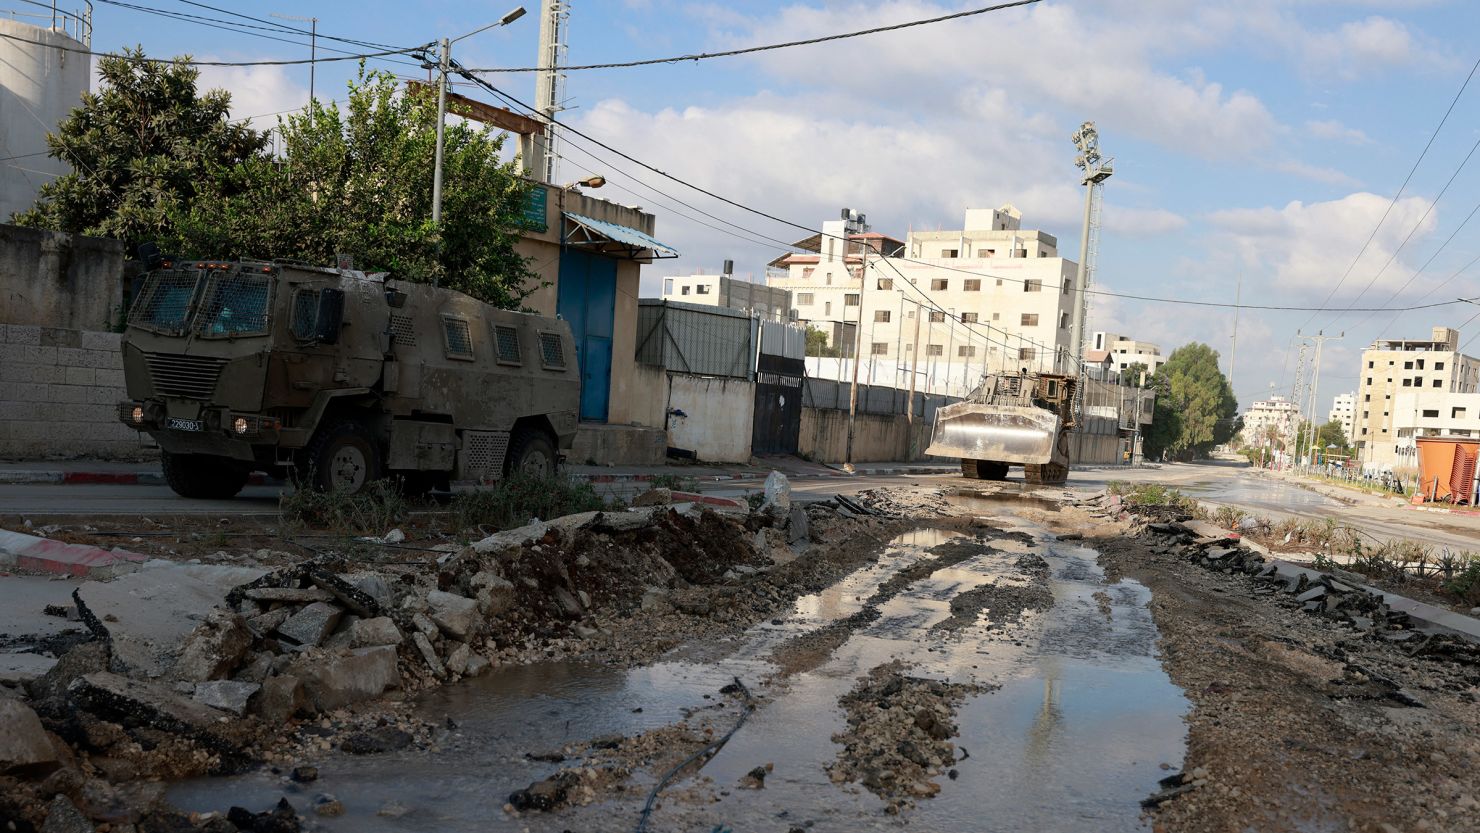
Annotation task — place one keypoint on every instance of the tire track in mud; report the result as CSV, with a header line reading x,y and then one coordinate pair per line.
x,y
1005,603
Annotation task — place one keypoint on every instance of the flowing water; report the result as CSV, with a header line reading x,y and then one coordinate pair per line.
x,y
1072,739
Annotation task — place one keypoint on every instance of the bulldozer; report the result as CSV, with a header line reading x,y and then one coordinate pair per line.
x,y
1010,419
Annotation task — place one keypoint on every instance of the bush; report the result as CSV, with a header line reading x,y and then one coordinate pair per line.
x,y
373,511
513,501
1466,583
673,482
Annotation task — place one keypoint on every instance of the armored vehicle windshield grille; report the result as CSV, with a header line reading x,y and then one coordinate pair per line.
x,y
551,350
508,345
235,303
191,377
164,301
459,338
305,313
403,330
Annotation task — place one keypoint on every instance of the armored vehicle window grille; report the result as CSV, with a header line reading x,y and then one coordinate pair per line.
x,y
163,304
190,377
508,345
459,338
552,352
305,313
403,330
235,303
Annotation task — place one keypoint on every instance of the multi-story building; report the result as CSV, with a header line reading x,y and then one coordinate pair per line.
x,y
769,302
1344,411
1119,352
945,305
1391,367
1275,411
1431,413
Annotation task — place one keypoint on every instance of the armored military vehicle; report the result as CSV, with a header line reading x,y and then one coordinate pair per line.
x,y
1010,419
339,378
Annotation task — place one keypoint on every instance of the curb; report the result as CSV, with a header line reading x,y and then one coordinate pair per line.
x,y
30,552
16,477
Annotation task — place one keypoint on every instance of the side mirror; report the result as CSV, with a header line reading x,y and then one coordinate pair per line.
x,y
330,316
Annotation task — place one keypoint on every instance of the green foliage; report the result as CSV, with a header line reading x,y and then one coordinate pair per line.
x,y
1153,494
1195,406
360,182
1134,373
374,511
674,482
141,148
817,343
513,501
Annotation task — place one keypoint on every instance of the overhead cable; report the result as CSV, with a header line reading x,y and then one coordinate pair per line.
x,y
191,62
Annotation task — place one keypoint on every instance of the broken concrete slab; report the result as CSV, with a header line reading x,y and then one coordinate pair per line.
x,y
215,648
227,695
477,665
34,553
20,668
495,593
778,495
147,615
291,595
310,625
114,695
797,526
457,658
62,816
428,653
280,698
25,747
346,593
456,615
373,585
382,630
516,537
360,674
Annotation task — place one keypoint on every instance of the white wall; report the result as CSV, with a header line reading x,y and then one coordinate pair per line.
x,y
720,413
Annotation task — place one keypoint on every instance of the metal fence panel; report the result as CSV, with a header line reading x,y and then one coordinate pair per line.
x,y
695,339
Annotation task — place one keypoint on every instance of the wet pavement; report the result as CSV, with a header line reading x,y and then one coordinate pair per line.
x,y
1071,732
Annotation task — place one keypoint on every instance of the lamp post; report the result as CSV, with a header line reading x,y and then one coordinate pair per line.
x,y
313,44
444,62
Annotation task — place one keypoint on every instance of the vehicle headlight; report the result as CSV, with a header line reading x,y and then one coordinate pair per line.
x,y
138,414
239,425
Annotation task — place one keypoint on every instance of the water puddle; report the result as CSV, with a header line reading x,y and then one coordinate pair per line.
x,y
1008,498
1071,740
1261,495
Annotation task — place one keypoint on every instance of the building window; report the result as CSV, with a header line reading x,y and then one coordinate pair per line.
x,y
966,351
1030,319
808,270
1369,380
909,348
1067,285
882,316
1063,321
999,281
937,317
1456,413
1418,365
934,350
683,291
996,316
1033,285
702,289
668,286
1365,414
949,253
827,307
850,299
804,299
986,252
1367,398
939,284
1027,354
1437,384
1438,365
1369,365
885,283
973,285
879,348
1407,365
1431,413
968,318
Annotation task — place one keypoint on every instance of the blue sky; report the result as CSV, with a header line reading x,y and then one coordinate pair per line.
x,y
1258,141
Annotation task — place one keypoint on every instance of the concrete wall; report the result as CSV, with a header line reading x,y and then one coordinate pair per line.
x,y
59,391
645,399
720,414
53,279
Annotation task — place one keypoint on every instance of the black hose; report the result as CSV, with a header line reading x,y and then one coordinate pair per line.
x,y
708,749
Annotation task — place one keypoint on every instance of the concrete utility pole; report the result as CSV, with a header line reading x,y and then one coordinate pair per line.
x,y
854,220
548,86
1320,338
313,44
1096,170
914,365
444,63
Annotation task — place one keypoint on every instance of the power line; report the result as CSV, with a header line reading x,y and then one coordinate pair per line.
x,y
287,28
191,62
701,56
1432,136
1425,266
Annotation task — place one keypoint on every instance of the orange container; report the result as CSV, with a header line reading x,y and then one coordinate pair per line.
x,y
1446,469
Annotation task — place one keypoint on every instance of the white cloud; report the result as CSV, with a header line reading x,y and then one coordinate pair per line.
x,y
1336,131
260,92
1329,176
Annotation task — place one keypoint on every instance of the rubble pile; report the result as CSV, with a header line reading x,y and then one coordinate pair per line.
x,y
898,735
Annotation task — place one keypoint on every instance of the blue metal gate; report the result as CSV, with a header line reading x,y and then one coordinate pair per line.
x,y
587,299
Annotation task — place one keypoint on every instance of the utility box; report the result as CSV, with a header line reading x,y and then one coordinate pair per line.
x,y
1446,469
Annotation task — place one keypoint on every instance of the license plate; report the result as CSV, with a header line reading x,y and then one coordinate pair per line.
x,y
186,424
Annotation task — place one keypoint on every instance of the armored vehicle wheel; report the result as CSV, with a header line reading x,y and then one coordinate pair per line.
x,y
344,458
531,453
203,476
1048,474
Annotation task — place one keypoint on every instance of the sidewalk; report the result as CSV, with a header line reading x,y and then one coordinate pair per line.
x,y
84,472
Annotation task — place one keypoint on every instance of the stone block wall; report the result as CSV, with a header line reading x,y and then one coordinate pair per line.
x,y
59,394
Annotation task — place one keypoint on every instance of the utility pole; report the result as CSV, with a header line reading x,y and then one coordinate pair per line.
x,y
1320,338
444,63
914,364
1233,351
313,45
855,220
1097,169
548,88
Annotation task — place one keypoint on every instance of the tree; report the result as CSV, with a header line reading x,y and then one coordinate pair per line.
x,y
1327,435
817,343
1195,406
360,182
1132,374
141,147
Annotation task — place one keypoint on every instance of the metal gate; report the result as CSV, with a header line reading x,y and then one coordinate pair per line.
x,y
587,299
777,428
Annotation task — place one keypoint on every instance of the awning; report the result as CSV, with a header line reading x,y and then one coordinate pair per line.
x,y
585,231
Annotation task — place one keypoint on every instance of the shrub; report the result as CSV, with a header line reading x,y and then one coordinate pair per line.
x,y
373,511
1466,583
674,482
513,501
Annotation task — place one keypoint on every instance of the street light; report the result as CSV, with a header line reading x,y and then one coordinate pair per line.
x,y
445,62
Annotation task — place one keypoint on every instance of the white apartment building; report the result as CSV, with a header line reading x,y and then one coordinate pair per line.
x,y
945,305
769,302
1121,352
1277,411
1431,413
1344,411
1391,367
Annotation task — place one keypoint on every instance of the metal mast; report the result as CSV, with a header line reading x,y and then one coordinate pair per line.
x,y
1097,169
549,85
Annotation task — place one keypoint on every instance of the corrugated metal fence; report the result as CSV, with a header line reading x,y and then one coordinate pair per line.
x,y
872,399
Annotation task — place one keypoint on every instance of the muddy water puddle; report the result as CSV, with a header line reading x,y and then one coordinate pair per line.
x,y
1070,739
1262,495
